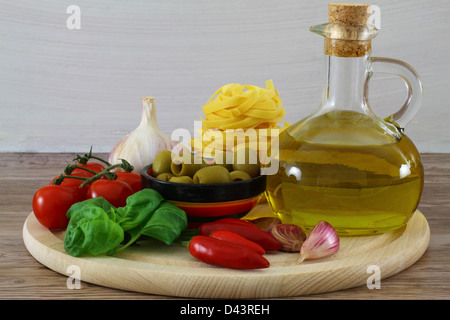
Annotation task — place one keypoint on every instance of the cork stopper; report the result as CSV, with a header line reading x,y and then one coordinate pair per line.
x,y
350,14
348,19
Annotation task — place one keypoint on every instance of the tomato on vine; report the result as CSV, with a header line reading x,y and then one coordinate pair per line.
x,y
84,180
115,192
94,167
73,182
51,203
131,178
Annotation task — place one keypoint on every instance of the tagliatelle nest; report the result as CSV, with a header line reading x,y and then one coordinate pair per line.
x,y
236,108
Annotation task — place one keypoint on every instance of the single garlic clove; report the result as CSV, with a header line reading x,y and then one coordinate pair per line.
x,y
290,236
322,241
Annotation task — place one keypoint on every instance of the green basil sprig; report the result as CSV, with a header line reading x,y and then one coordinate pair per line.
x,y
96,227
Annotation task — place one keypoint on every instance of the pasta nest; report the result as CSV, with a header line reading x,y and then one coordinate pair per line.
x,y
240,109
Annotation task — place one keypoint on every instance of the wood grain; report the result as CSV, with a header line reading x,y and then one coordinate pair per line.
x,y
22,277
151,267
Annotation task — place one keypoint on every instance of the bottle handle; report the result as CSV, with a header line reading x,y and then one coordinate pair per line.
x,y
413,85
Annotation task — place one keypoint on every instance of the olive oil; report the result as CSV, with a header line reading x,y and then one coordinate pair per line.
x,y
343,164
343,167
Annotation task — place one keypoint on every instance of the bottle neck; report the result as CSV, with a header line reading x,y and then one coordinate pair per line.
x,y
345,79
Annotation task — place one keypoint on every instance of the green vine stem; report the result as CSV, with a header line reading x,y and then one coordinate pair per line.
x,y
125,165
107,172
62,176
70,167
84,159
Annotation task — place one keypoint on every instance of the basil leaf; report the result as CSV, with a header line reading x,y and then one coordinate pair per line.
x,y
98,202
166,223
96,227
140,206
92,230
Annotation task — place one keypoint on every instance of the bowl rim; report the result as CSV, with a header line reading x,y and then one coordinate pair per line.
x,y
144,172
258,183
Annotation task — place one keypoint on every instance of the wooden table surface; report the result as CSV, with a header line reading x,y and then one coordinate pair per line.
x,y
22,277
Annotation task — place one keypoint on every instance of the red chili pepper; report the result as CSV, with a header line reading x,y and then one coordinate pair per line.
x,y
225,254
236,239
245,229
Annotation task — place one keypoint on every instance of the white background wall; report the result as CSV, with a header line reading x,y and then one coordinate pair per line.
x,y
64,90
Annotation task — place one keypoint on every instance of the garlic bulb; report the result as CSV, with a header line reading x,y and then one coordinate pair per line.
x,y
141,146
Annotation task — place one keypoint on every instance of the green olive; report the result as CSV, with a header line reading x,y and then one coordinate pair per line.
x,y
239,176
164,176
184,169
182,179
246,159
212,174
162,162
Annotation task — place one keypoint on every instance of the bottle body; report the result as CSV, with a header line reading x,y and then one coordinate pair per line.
x,y
348,168
343,164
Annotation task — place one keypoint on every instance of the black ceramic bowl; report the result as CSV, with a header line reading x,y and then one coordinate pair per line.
x,y
208,202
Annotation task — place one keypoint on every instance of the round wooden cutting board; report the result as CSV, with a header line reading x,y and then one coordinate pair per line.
x,y
155,268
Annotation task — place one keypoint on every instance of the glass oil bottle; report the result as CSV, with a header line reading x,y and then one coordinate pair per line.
x,y
343,164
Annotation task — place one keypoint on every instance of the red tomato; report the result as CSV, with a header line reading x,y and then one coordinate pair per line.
x,y
92,165
51,203
115,192
131,178
75,183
